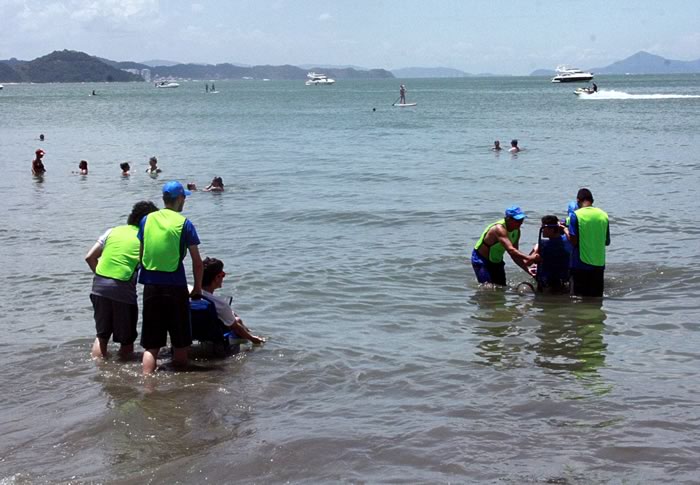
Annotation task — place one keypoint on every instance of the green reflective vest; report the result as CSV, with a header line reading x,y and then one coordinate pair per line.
x,y
120,254
162,234
497,251
592,234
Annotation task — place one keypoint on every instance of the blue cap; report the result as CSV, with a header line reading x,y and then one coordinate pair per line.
x,y
515,212
175,189
573,207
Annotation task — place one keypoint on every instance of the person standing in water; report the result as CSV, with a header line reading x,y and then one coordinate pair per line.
x,y
166,236
37,164
113,260
514,148
402,94
589,234
498,238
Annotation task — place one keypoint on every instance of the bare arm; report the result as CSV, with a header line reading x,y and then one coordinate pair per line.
x,y
197,270
93,255
242,331
519,258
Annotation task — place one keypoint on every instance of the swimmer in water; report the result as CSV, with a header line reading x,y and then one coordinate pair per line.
x,y
82,168
125,169
153,166
514,146
496,146
216,185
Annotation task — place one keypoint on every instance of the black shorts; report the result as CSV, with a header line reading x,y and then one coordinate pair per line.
x,y
115,318
166,310
587,282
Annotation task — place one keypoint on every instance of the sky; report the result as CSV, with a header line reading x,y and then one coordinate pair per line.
x,y
476,36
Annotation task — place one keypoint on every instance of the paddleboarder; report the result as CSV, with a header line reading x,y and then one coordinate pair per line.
x,y
402,94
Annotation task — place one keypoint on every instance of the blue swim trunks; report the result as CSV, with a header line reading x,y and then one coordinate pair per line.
x,y
488,272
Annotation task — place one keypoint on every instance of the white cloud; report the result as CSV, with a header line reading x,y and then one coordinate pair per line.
x,y
325,17
197,7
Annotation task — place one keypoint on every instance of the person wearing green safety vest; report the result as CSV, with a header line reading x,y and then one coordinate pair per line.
x,y
113,259
498,238
166,236
589,234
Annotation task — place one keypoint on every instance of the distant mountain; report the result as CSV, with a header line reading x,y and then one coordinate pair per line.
x,y
8,74
158,62
123,64
73,66
544,72
232,71
68,66
332,66
639,63
421,72
645,63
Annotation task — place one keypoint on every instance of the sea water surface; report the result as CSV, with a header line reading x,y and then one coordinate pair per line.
x,y
346,233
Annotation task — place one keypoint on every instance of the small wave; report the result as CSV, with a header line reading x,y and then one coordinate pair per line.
x,y
612,94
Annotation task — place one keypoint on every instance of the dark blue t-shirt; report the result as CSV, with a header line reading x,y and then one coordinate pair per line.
x,y
188,238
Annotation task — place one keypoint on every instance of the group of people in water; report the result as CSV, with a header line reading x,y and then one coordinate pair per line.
x,y
514,148
39,169
569,256
150,248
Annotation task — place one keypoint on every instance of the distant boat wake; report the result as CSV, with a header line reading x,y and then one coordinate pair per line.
x,y
611,94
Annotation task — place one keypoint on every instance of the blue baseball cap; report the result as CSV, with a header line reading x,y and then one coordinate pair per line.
x,y
175,189
515,212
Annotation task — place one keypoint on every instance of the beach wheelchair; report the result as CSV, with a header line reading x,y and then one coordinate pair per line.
x,y
208,329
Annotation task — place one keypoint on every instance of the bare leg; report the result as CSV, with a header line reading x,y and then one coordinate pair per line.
x,y
180,356
150,361
99,349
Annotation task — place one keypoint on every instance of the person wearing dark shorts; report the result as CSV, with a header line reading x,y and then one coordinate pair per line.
x,y
498,238
113,259
589,233
166,236
166,308
488,272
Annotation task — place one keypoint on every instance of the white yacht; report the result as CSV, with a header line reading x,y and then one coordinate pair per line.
x,y
571,75
316,79
167,84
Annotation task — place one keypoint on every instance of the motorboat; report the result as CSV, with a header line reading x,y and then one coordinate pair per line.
x,y
571,75
1,86
584,91
316,79
167,84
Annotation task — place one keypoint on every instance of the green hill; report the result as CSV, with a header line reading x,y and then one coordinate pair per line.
x,y
70,66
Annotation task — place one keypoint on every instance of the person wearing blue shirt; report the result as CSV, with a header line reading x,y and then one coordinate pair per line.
x,y
553,254
166,236
589,233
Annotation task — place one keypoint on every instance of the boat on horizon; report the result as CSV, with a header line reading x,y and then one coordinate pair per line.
x,y
571,75
167,84
316,79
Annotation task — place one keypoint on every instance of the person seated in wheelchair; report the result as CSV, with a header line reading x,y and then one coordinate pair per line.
x,y
553,251
228,324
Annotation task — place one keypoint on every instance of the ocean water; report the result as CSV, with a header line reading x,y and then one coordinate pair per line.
x,y
346,234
